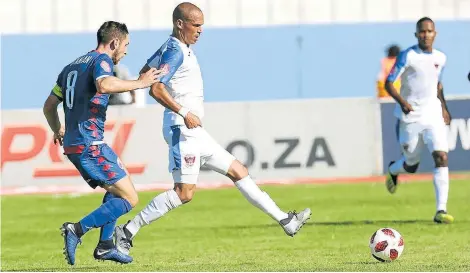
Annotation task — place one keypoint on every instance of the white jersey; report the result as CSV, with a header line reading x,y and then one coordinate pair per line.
x,y
183,79
420,73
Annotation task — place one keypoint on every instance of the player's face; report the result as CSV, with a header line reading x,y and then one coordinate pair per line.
x,y
121,49
192,28
425,33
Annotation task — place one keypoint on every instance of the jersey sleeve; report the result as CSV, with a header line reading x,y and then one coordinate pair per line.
x,y
57,89
440,73
103,67
399,67
169,61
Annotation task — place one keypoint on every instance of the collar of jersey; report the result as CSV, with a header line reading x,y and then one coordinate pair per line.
x,y
419,50
181,43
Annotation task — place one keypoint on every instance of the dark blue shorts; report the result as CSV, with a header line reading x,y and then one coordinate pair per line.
x,y
98,165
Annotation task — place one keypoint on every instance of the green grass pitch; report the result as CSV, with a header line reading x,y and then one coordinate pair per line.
x,y
220,231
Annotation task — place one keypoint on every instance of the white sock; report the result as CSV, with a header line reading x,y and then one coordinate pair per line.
x,y
397,167
159,206
441,186
259,199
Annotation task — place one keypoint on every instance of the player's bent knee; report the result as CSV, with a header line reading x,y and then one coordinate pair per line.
x,y
185,191
440,159
411,168
185,197
124,189
237,171
133,199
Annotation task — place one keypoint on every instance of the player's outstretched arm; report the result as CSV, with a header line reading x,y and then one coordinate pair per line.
x,y
161,95
111,84
445,110
52,116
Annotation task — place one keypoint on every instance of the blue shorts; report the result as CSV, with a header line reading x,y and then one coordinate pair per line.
x,y
98,165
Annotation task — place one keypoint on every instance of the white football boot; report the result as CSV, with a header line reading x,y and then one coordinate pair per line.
x,y
294,222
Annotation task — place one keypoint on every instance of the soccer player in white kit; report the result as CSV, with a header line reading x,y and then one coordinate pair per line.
x,y
422,113
180,91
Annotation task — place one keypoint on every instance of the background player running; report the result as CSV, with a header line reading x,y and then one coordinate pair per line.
x,y
422,113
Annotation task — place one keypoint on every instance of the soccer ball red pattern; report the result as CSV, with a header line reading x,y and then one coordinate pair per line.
x,y
386,245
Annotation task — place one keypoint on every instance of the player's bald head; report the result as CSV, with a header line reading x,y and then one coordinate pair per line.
x,y
187,23
185,11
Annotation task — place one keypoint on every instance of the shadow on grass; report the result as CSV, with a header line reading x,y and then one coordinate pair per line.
x,y
371,222
345,223
53,269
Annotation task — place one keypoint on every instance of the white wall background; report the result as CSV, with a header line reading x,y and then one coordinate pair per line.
x,y
62,16
354,153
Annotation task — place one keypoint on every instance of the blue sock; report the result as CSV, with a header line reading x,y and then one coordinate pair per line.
x,y
107,213
106,232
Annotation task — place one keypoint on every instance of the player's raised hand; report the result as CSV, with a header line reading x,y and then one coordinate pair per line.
x,y
192,121
150,77
406,107
59,136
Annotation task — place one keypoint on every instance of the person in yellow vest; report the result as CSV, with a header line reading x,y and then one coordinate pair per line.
x,y
385,67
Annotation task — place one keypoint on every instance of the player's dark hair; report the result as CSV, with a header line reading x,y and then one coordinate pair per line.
x,y
424,19
393,51
111,30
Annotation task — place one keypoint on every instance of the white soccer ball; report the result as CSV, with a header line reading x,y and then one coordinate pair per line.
x,y
386,245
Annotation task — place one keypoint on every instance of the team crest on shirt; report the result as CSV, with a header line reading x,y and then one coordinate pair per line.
x,y
189,160
105,66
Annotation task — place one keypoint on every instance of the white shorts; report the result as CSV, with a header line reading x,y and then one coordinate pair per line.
x,y
414,136
189,149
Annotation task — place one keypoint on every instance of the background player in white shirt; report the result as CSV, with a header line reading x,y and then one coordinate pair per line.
x,y
190,146
422,113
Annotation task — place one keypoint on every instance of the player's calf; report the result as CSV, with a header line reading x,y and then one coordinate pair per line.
x,y
125,190
291,222
441,187
157,208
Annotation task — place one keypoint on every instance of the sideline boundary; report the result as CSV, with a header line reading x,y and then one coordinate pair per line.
x,y
84,188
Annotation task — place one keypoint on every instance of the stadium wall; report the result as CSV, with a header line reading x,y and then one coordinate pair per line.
x,y
285,141
280,140
245,64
